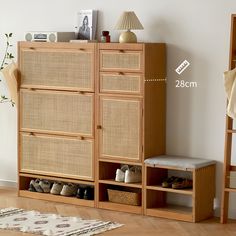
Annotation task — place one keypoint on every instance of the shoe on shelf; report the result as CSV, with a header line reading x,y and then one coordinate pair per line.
x,y
181,183
56,188
167,182
80,193
69,190
120,173
45,185
31,186
89,193
133,175
37,187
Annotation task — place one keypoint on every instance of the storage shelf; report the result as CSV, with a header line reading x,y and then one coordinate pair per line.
x,y
120,207
113,182
172,212
67,180
171,190
56,198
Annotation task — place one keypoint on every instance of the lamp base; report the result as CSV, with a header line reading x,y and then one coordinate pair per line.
x,y
128,37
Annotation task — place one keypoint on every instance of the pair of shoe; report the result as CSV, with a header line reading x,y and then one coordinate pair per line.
x,y
129,175
40,185
67,190
177,183
86,193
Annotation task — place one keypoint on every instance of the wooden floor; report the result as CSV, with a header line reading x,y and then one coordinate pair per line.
x,y
134,224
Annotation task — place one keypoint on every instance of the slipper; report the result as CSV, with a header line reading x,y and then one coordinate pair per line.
x,y
182,183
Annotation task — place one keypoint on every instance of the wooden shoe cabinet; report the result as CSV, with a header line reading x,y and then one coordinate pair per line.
x,y
56,116
131,114
87,108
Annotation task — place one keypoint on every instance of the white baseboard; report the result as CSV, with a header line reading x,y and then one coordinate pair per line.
x,y
8,183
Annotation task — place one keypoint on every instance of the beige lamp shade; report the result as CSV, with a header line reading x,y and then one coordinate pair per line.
x,y
127,21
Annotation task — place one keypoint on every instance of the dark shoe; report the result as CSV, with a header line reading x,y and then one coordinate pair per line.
x,y
167,183
31,186
89,193
80,193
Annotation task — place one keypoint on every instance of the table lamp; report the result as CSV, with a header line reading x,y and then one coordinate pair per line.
x,y
127,21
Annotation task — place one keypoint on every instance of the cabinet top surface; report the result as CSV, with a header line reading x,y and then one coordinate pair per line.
x,y
114,45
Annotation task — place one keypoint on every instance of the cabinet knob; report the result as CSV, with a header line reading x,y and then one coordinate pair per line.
x,y
122,51
99,127
81,138
121,73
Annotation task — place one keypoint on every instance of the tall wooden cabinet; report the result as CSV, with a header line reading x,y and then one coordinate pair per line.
x,y
56,115
85,109
130,115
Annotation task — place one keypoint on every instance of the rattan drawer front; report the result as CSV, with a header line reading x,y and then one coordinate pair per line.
x,y
57,112
120,60
120,83
58,69
120,134
56,156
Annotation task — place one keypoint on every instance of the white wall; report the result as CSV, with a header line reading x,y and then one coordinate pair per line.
x,y
194,30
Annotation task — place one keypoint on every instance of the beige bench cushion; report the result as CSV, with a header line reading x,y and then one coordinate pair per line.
x,y
179,162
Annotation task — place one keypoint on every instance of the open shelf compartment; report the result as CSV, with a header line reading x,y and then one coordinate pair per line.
x,y
107,174
155,177
158,203
120,198
24,182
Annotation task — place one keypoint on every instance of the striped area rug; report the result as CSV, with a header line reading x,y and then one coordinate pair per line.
x,y
51,224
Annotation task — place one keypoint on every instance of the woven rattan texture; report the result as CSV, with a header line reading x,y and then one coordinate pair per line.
x,y
65,112
123,197
121,128
63,69
121,60
57,155
122,83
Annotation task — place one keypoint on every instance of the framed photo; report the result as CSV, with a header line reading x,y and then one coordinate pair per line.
x,y
87,24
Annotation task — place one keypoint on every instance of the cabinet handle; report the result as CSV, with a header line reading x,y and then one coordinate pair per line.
x,y
122,51
121,73
99,127
81,138
31,48
31,134
81,92
81,49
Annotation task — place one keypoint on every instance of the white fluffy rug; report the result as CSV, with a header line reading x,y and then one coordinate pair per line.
x,y
51,224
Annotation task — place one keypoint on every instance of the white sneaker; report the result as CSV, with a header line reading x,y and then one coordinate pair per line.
x,y
133,175
120,173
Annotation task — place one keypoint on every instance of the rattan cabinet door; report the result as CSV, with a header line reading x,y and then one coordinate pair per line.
x,y
120,60
56,156
57,112
124,83
120,134
58,69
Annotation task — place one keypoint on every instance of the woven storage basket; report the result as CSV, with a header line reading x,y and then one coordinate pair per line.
x,y
124,197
